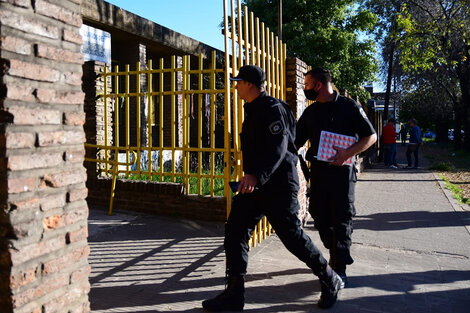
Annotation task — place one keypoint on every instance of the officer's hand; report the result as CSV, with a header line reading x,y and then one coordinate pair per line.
x,y
247,183
340,157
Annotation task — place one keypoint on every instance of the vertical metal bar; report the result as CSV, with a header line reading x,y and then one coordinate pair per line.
x,y
257,43
263,47
252,37
186,128
150,118
160,115
227,118
236,64
105,98
240,37
273,65
199,126
246,40
116,114
268,62
138,119
173,117
277,66
212,120
126,95
284,72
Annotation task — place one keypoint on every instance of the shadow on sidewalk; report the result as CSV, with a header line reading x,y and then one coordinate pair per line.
x,y
411,219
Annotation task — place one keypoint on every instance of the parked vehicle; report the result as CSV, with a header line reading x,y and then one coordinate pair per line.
x,y
429,134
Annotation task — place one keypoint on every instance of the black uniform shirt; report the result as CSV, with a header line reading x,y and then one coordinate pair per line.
x,y
267,142
342,116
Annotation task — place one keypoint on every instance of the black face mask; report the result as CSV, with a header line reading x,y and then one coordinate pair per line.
x,y
311,94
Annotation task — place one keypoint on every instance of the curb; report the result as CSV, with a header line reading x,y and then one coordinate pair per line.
x,y
450,197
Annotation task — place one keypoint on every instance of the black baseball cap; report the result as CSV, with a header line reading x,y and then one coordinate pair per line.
x,y
252,74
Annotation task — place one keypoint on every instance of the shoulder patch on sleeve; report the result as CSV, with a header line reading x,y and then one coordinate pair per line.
x,y
276,127
363,113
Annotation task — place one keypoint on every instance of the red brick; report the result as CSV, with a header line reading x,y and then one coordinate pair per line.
x,y
33,71
30,116
65,261
31,204
17,185
48,9
26,24
60,138
23,93
77,194
57,304
46,286
35,250
52,202
26,229
72,78
76,215
82,273
74,118
75,156
33,160
58,54
77,235
19,3
23,278
72,36
81,308
16,45
53,222
64,178
53,96
20,140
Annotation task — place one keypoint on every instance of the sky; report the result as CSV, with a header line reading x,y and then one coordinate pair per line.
x,y
199,20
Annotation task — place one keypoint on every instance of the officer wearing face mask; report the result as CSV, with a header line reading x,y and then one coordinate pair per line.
x,y
332,183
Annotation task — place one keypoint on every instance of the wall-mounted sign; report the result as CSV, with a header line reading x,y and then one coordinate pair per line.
x,y
96,44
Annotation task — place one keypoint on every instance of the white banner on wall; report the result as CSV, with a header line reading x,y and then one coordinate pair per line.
x,y
96,44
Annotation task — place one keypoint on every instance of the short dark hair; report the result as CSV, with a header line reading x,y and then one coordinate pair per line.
x,y
414,121
391,120
321,74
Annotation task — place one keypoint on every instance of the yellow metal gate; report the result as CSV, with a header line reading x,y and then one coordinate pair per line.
x,y
179,120
248,41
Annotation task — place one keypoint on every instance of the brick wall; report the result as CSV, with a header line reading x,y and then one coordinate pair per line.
x,y
167,199
43,220
295,97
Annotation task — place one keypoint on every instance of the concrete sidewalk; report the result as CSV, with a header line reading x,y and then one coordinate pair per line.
x,y
411,247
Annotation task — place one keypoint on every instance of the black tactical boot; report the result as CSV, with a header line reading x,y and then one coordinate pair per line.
x,y
231,299
330,286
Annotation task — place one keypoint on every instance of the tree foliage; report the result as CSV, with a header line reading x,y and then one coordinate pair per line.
x,y
435,37
324,33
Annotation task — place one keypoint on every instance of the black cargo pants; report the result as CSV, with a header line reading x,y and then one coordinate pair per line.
x,y
281,210
332,208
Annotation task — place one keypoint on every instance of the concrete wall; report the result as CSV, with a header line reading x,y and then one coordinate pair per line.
x,y
43,215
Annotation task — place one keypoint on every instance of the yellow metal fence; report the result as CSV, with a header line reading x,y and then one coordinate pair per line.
x,y
179,121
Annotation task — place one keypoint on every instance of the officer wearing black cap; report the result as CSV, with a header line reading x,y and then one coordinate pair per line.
x,y
268,188
332,183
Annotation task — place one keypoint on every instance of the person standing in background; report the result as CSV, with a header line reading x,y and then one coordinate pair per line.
x,y
415,142
390,144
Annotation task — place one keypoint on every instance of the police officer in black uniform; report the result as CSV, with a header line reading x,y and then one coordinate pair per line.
x,y
332,183
268,188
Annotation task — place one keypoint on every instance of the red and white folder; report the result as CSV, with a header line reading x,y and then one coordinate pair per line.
x,y
328,140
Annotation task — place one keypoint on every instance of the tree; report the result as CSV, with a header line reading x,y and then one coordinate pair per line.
x,y
324,33
435,37
385,33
